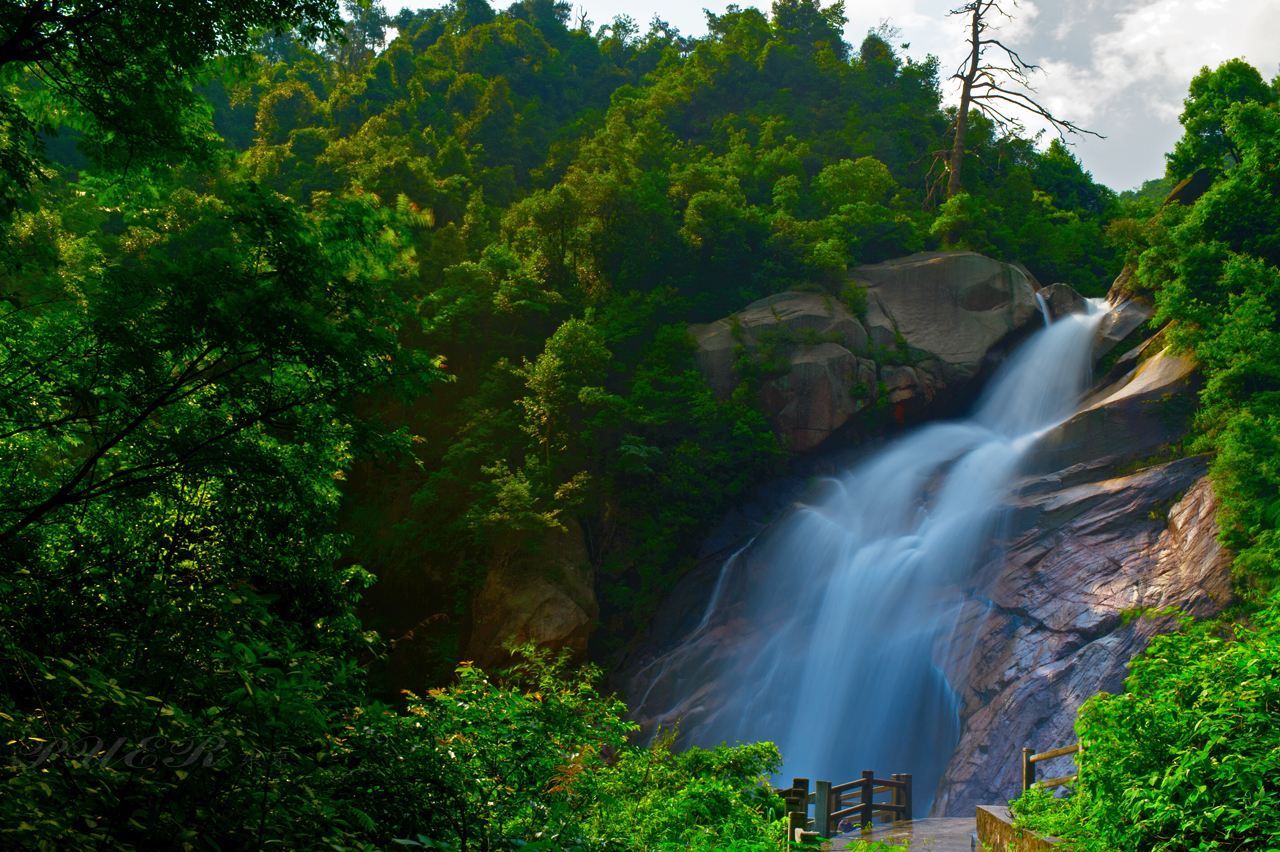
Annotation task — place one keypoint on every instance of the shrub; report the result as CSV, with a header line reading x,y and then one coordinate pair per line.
x,y
1187,757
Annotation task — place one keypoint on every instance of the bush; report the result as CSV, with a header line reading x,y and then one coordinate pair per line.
x,y
1187,757
536,757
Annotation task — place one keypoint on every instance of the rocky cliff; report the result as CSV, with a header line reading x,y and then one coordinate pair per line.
x,y
1105,565
1113,542
926,326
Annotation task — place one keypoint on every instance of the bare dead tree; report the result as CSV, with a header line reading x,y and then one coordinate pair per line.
x,y
998,88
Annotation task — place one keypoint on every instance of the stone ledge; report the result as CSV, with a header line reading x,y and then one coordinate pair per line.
x,y
997,833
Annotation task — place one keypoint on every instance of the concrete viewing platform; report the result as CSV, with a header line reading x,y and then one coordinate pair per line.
x,y
924,835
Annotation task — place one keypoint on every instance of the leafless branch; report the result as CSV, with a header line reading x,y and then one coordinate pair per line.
x,y
997,88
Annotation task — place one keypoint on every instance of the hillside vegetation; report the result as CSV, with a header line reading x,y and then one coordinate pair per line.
x,y
296,328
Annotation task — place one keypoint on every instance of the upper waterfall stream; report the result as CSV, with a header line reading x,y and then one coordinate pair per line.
x,y
833,632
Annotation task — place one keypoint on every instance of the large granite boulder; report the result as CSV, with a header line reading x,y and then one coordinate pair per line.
x,y
932,323
1062,299
546,597
788,321
823,387
954,306
805,343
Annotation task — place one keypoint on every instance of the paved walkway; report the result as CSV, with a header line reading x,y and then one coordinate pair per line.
x,y
922,835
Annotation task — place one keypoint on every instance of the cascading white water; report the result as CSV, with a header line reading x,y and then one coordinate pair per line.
x,y
837,645
1044,308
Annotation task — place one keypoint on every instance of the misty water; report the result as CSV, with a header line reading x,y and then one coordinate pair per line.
x,y
834,632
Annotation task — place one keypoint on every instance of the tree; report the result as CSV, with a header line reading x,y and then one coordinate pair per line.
x,y
1210,95
807,24
230,324
176,377
997,89
361,37
563,383
120,71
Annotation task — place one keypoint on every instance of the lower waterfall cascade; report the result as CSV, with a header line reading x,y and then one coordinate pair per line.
x,y
833,632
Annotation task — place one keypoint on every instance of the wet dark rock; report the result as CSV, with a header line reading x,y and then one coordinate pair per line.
x,y
1061,619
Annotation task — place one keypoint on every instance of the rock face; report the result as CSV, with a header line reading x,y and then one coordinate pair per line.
x,y
1060,624
955,306
1125,319
1127,421
807,341
933,322
1057,615
547,598
785,321
1062,299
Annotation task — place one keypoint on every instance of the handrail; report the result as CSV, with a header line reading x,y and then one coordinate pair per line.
x,y
835,802
1029,761
1057,782
1056,752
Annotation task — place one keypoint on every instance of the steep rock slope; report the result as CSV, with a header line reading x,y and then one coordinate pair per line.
x,y
1076,597
1110,545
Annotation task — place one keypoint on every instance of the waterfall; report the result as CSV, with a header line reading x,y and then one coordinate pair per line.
x,y
836,633
1044,308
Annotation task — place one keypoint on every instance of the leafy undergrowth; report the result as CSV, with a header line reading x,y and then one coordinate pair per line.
x,y
1188,756
533,758
536,758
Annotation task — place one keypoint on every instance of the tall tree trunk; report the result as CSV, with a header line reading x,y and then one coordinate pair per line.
x,y
962,116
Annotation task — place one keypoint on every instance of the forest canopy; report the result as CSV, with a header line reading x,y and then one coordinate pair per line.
x,y
301,326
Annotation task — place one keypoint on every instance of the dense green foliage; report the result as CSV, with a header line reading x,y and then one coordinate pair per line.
x,y
269,317
1212,95
175,365
539,756
1186,757
119,74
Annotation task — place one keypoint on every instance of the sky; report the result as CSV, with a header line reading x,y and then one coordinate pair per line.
x,y
1118,67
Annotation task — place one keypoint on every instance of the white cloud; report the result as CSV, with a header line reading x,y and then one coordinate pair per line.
x,y
1132,66
1155,50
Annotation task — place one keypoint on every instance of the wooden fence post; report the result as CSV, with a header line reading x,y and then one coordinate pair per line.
x,y
796,823
902,795
822,808
868,785
798,819
1028,770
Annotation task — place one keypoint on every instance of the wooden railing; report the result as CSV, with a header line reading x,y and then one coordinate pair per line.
x,y
834,803
1030,760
